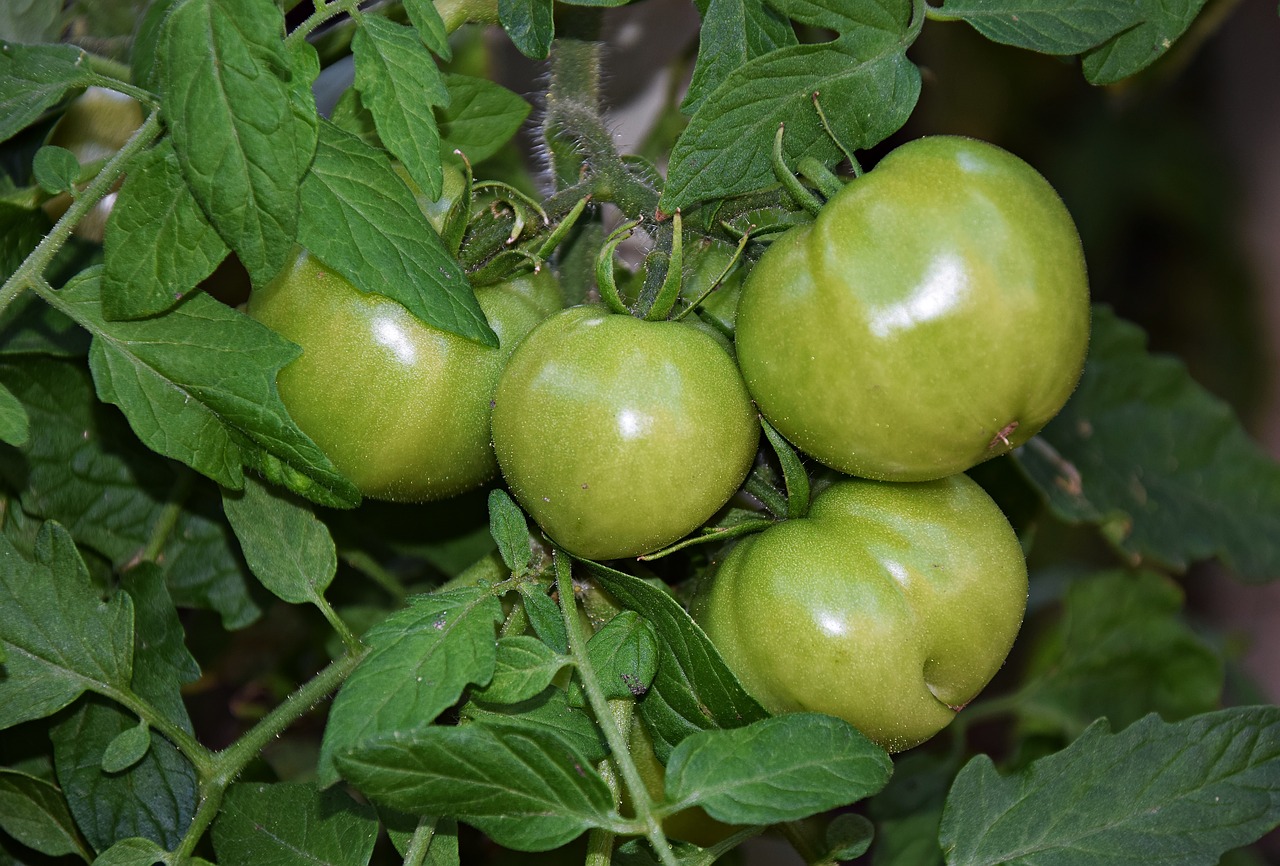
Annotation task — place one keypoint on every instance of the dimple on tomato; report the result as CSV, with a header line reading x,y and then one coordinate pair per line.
x,y
934,315
619,436
400,407
890,605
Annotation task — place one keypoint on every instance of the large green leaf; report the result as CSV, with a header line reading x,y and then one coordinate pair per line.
x,y
35,813
733,32
34,78
1047,26
1133,50
292,824
284,543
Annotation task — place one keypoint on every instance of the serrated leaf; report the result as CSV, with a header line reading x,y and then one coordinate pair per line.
x,y
56,169
287,547
230,112
361,220
34,78
161,662
480,118
420,660
155,798
510,531
198,385
33,812
779,769
292,824
1132,50
158,244
1047,26
530,25
544,615
624,655
61,639
127,748
527,789
1154,793
1122,651
399,83
88,472
732,32
1160,464
693,690
15,427
868,89
523,668
134,851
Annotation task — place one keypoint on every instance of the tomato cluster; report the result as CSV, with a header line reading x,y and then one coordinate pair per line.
x,y
933,315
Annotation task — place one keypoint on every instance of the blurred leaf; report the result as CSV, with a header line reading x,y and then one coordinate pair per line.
x,y
33,812
420,660
909,809
361,220
1047,26
15,427
34,78
1160,464
399,83
127,749
292,824
443,850
624,655
1154,793
524,667
526,788
480,118
21,230
530,25
31,21
1134,49
32,327
134,851
693,690
848,836
779,769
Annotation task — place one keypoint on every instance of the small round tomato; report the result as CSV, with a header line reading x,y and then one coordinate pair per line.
x,y
891,606
618,435
935,314
400,407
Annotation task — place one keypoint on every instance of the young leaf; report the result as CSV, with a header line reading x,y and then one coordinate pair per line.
x,y
480,118
548,711
161,661
1132,50
56,169
198,385
524,667
60,638
530,25
1047,26
34,78
292,824
286,546
544,616
624,655
1122,651
127,748
33,812
779,769
733,32
134,851
1155,792
361,220
399,83
793,471
158,244
693,689
1163,466
420,659
848,837
510,531
527,789
430,26
229,109
867,86
15,427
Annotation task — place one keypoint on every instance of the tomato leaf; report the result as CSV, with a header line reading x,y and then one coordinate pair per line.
x,y
15,427
526,788
158,244
88,472
868,89
230,111
693,689
624,655
909,809
845,17
34,78
480,118
733,32
778,769
544,615
523,668
161,661
547,711
420,660
55,169
510,530
1121,651
399,83
1047,26
34,812
1183,793
430,26
126,749
293,824
135,851
1160,464
361,220
530,25
31,21
1132,50
21,230
287,548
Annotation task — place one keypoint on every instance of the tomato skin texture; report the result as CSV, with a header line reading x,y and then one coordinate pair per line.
x,y
619,436
891,606
934,315
400,407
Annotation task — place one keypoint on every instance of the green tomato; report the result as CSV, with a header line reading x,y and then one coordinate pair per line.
x,y
620,436
890,606
436,210
934,315
400,407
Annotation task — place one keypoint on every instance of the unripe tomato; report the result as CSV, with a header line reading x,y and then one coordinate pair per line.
x,y
400,407
620,436
436,210
891,606
935,314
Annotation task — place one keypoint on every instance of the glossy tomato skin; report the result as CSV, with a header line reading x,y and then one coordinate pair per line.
x,y
935,314
620,436
400,407
891,606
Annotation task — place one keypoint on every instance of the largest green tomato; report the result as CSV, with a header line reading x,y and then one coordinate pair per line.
x,y
401,408
890,606
935,314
